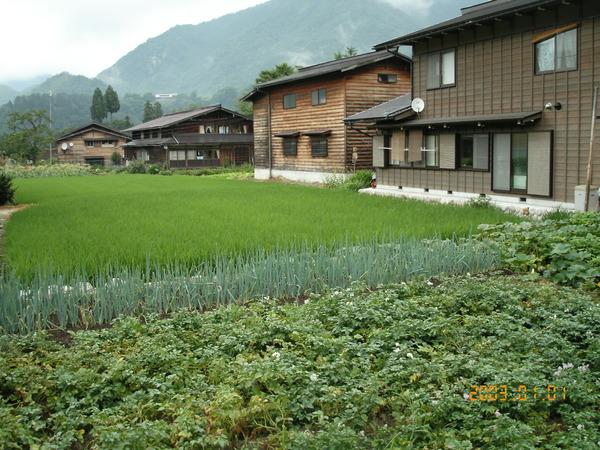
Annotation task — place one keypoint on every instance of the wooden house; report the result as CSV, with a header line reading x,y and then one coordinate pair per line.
x,y
503,100
93,144
299,131
212,136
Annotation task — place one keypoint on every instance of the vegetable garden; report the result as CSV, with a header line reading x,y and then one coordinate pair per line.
x,y
262,315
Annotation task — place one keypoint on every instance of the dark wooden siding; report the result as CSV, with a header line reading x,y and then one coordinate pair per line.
x,y
495,74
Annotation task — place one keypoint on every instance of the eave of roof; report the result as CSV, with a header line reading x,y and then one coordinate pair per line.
x,y
329,67
93,126
521,118
491,10
191,139
175,118
389,109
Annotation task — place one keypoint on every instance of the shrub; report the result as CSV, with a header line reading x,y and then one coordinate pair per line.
x,y
153,169
7,192
115,158
482,201
358,180
136,166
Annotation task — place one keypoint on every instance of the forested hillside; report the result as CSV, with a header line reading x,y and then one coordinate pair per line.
x,y
218,61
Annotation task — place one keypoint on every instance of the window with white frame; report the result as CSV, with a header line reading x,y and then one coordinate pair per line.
x,y
430,152
441,69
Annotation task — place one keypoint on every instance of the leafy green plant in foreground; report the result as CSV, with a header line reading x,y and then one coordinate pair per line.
x,y
7,191
565,250
395,367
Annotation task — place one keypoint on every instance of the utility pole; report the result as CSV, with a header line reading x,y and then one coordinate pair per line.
x,y
51,143
590,158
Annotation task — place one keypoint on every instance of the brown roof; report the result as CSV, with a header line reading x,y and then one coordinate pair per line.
x,y
175,118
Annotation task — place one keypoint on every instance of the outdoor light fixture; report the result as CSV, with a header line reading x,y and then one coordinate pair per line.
x,y
557,106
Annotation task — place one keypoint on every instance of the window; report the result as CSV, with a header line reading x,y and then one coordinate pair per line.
x,y
473,151
224,129
318,146
430,150
557,53
319,97
89,143
290,146
510,162
108,143
440,69
387,78
289,101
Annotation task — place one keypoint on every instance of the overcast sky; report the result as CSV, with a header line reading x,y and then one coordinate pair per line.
x,y
84,37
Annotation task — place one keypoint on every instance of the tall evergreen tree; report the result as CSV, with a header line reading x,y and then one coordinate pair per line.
x,y
98,108
158,112
111,100
148,111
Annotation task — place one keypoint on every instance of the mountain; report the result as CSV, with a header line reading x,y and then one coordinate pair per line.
x,y
7,94
233,49
67,83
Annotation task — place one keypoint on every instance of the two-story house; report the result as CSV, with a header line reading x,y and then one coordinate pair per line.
x,y
93,143
211,136
501,105
298,119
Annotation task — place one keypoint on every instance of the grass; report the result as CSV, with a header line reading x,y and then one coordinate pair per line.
x,y
95,223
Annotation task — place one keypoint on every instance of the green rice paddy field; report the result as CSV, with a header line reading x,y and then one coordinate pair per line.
x,y
91,223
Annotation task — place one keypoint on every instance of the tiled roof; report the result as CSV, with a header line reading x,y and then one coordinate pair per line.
x,y
490,10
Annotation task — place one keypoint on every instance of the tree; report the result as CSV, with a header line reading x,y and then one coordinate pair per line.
x,y
98,108
158,112
148,111
111,99
280,70
151,111
350,51
28,134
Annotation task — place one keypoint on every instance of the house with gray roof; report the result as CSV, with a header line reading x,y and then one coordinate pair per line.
x,y
211,136
502,106
299,131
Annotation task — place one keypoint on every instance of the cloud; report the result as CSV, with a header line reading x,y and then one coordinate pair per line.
x,y
420,7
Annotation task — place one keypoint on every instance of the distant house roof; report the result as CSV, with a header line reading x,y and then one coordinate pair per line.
x,y
472,15
175,118
93,126
384,111
335,66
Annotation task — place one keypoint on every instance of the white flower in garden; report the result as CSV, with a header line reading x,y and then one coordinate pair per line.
x,y
430,283
580,427
471,361
434,402
306,302
313,377
397,350
584,368
410,355
349,303
466,396
276,355
498,414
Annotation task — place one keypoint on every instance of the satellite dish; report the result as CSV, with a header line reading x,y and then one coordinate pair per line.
x,y
70,144
64,146
418,105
